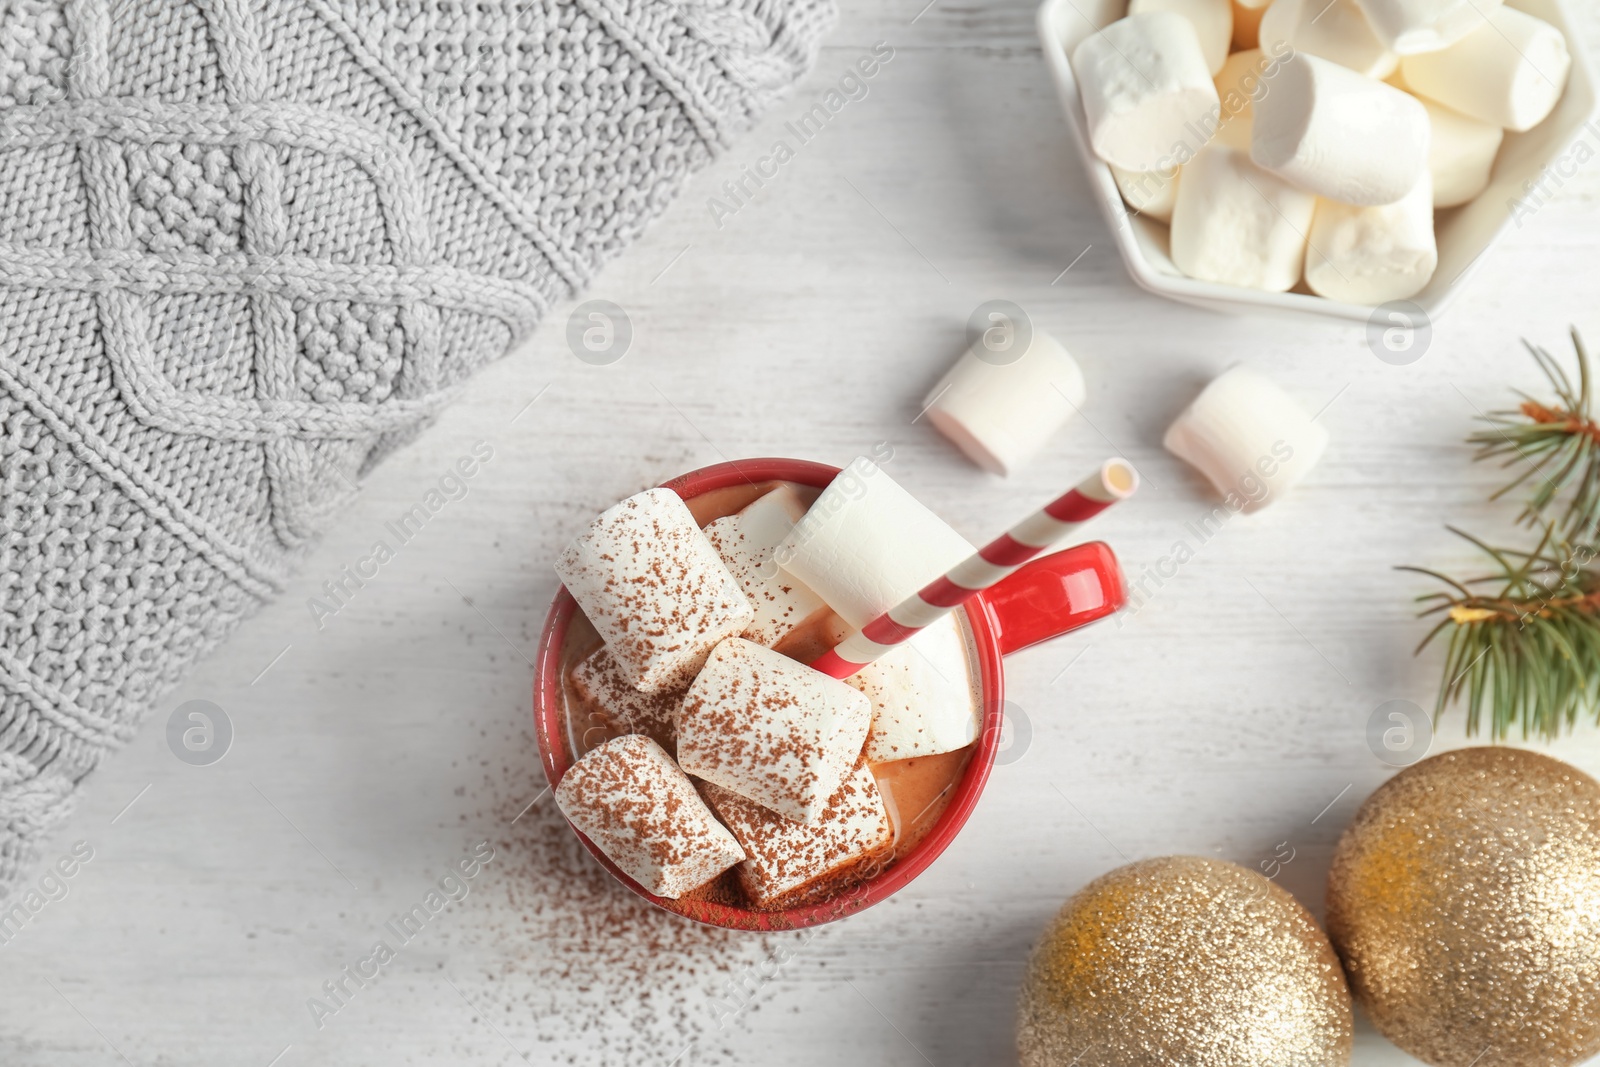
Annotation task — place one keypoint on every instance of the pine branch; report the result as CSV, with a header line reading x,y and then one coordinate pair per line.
x,y
1556,445
1525,639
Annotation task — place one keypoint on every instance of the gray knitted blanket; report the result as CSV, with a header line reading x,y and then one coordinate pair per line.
x,y
248,247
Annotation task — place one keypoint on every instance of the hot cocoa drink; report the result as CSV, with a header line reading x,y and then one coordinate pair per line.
x,y
821,784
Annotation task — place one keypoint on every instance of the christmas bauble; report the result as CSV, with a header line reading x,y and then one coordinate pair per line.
x,y
1465,901
1184,961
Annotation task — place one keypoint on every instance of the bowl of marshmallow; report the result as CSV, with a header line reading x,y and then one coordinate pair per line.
x,y
1333,157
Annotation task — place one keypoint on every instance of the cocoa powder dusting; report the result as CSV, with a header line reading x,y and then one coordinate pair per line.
x,y
575,968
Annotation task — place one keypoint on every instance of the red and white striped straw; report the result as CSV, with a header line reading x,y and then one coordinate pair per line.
x,y
1044,529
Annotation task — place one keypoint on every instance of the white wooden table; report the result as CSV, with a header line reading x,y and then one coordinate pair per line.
x,y
1229,715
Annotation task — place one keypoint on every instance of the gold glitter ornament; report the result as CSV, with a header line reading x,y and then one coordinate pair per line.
x,y
1184,961
1465,901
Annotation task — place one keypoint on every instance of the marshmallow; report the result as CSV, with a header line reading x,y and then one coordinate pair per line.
x,y
1511,71
1146,90
922,701
1236,224
790,861
1461,155
1371,255
745,542
867,544
654,588
1336,31
1409,27
770,729
1248,437
1339,134
1002,414
1212,19
637,807
1150,193
600,684
1077,20
1240,82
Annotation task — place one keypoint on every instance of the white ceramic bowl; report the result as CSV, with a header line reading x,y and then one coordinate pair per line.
x,y
1466,233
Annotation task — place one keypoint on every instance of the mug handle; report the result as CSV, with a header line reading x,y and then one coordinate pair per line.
x,y
1054,595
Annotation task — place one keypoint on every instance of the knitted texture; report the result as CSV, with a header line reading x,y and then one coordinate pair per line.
x,y
247,247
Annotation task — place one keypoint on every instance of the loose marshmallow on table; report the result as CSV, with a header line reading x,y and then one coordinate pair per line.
x,y
1146,89
1371,255
1002,414
1336,30
770,729
600,681
1461,154
1339,134
745,542
1248,437
654,588
921,693
867,544
1236,224
1511,71
632,801
1409,27
1212,19
789,860
1150,193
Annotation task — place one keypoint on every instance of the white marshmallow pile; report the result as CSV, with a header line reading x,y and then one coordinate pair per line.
x,y
1146,84
746,542
1249,438
1300,125
867,544
652,585
783,752
1332,29
1002,414
632,801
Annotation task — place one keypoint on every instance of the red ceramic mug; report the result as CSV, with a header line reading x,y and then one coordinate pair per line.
x,y
1049,597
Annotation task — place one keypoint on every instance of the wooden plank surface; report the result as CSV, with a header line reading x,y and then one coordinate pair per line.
x,y
370,754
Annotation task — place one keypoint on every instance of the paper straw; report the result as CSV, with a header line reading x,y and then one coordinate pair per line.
x,y
1044,529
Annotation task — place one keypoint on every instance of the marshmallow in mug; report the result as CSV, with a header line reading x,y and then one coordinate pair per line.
x,y
1510,71
1337,31
789,860
656,591
1411,27
1372,255
641,810
1248,437
746,541
1146,88
1340,134
770,729
1212,21
600,683
917,708
1001,409
866,544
